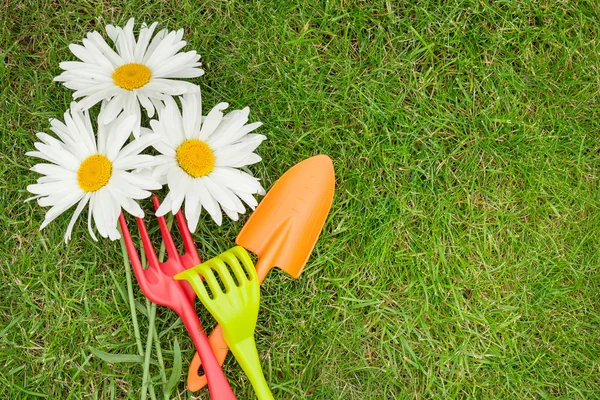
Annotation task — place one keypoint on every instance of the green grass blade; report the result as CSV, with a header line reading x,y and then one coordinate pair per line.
x,y
176,372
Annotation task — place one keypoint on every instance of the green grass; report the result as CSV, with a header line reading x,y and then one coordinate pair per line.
x,y
461,256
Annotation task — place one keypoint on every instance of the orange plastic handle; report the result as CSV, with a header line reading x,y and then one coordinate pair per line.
x,y
220,350
217,343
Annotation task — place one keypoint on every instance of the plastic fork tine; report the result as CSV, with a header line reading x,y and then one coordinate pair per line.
x,y
150,254
158,286
166,235
188,242
133,255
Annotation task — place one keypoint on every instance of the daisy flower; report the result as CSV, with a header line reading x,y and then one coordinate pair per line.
x,y
200,160
83,170
138,72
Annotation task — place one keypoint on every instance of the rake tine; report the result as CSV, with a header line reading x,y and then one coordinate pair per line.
x,y
195,278
233,262
252,276
166,235
188,242
244,257
225,276
150,254
133,255
209,277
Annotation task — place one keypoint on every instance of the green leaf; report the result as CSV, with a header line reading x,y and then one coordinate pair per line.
x,y
176,372
119,358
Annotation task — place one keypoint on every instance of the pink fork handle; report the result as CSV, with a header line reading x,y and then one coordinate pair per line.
x,y
217,383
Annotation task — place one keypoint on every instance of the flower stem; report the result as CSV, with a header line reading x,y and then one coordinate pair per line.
x,y
136,327
152,332
146,376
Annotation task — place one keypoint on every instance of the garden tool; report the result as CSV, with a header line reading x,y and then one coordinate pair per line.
x,y
282,231
158,286
235,308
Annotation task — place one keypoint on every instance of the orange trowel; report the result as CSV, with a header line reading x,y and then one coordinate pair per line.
x,y
282,232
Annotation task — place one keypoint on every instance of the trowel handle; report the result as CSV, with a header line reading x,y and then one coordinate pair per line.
x,y
218,386
217,343
220,350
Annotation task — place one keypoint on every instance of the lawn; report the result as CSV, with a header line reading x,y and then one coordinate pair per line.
x,y
460,258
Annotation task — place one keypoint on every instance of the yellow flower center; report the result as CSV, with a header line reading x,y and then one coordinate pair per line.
x,y
94,173
196,158
131,76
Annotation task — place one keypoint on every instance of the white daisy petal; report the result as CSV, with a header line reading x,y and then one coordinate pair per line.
x,y
56,197
162,169
248,199
232,135
82,53
58,156
109,53
93,173
187,142
119,136
127,203
157,103
231,130
212,121
176,63
166,49
191,103
208,202
82,203
167,86
135,161
158,38
177,202
98,215
135,147
51,169
126,41
96,96
165,206
112,109
231,214
89,224
146,103
175,128
178,180
76,126
192,208
139,181
129,72
238,206
99,58
164,148
189,72
126,187
218,193
234,153
143,40
60,207
235,179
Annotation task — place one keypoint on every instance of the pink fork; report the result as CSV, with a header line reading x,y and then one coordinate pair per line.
x,y
158,286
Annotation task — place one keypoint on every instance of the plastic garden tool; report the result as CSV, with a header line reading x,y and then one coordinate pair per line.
x,y
158,285
236,308
282,231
